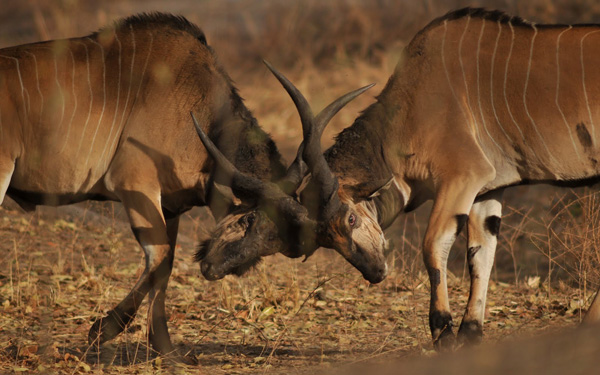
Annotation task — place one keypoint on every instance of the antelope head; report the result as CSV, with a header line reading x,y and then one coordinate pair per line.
x,y
274,221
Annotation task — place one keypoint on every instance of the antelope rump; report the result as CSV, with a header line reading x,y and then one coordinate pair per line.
x,y
479,101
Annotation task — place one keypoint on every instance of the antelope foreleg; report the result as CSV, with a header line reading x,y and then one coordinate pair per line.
x,y
452,203
149,227
484,224
158,332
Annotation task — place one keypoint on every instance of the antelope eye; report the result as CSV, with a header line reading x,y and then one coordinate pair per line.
x,y
351,220
250,218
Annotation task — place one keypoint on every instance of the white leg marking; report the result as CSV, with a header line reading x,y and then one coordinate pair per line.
x,y
492,83
102,57
37,79
479,90
116,106
448,74
512,43
74,93
23,90
87,60
558,90
587,103
535,32
460,44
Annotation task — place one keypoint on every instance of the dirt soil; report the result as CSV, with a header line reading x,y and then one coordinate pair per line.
x,y
62,268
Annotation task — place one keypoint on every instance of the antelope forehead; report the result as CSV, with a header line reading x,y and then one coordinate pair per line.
x,y
365,211
368,237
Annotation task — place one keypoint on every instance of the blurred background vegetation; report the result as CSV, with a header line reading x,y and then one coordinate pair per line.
x,y
328,48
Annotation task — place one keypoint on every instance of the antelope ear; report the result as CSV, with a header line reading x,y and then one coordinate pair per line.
x,y
371,189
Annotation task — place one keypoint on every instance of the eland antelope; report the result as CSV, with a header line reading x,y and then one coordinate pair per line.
x,y
479,101
105,117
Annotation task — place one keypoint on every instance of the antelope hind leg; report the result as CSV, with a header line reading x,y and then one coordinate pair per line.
x,y
482,235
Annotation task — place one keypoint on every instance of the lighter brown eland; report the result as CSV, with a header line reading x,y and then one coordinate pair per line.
x,y
479,101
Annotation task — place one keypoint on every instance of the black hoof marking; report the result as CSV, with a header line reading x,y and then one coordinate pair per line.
x,y
445,340
108,327
441,330
470,332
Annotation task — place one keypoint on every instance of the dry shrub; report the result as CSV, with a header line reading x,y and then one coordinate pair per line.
x,y
574,238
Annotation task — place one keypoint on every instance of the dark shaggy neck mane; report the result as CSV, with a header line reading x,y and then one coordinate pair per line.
x,y
158,19
358,150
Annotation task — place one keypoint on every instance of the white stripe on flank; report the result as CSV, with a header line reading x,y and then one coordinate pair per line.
x,y
87,59
460,43
558,90
37,79
74,104
118,133
479,90
62,95
587,103
104,98
448,74
535,32
512,43
492,82
116,106
141,78
23,90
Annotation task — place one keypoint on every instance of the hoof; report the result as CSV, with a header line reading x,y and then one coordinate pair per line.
x,y
107,328
470,332
445,341
440,323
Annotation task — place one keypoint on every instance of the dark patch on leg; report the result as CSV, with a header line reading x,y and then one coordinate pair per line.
x,y
472,251
492,224
470,255
470,332
584,136
440,323
434,279
461,220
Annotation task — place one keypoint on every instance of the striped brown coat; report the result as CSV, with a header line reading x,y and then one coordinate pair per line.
x,y
107,117
479,101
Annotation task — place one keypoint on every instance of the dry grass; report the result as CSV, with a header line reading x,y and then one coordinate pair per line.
x,y
62,269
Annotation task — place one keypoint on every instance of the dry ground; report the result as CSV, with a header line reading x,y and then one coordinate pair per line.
x,y
63,268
